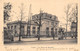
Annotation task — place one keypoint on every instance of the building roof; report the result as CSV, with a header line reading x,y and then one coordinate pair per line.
x,y
17,22
34,18
45,16
23,22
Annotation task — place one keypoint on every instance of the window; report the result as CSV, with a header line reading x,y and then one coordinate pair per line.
x,y
33,27
51,28
11,27
28,30
22,26
22,30
52,23
47,28
28,27
52,31
50,16
8,27
33,30
55,32
37,30
15,27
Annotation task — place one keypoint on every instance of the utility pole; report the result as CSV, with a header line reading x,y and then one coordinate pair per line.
x,y
29,22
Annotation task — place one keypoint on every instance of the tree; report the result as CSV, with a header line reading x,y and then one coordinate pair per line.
x,y
21,18
7,11
67,12
39,23
71,14
74,14
74,17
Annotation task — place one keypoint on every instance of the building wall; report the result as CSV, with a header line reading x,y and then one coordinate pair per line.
x,y
16,28
73,27
49,20
13,29
49,23
45,24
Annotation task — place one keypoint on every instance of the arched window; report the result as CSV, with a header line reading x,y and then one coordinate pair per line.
x,y
11,27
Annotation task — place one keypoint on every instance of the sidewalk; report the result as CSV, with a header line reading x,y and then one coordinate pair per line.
x,y
43,41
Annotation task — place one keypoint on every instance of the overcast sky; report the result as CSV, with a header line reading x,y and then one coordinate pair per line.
x,y
54,7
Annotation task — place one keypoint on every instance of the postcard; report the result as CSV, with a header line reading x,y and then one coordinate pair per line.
x,y
39,25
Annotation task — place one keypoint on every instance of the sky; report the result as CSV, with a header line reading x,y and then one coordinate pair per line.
x,y
54,7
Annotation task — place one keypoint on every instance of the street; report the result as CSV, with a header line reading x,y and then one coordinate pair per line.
x,y
43,40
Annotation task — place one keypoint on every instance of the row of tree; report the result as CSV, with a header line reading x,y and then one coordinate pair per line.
x,y
71,12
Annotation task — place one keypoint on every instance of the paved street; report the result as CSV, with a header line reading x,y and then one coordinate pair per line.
x,y
30,41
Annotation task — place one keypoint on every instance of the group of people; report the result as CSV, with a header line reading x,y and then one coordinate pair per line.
x,y
61,34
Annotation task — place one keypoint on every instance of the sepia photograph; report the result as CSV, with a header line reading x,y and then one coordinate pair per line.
x,y
40,22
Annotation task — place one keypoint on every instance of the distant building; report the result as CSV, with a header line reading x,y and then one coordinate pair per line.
x,y
49,24
74,28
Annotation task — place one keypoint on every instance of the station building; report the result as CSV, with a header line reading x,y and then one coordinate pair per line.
x,y
49,25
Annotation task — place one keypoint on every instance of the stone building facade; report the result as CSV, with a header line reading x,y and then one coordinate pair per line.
x,y
49,24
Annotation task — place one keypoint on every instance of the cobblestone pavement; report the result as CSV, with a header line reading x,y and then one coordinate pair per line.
x,y
43,40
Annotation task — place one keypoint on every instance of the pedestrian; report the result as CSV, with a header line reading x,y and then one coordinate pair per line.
x,y
59,35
